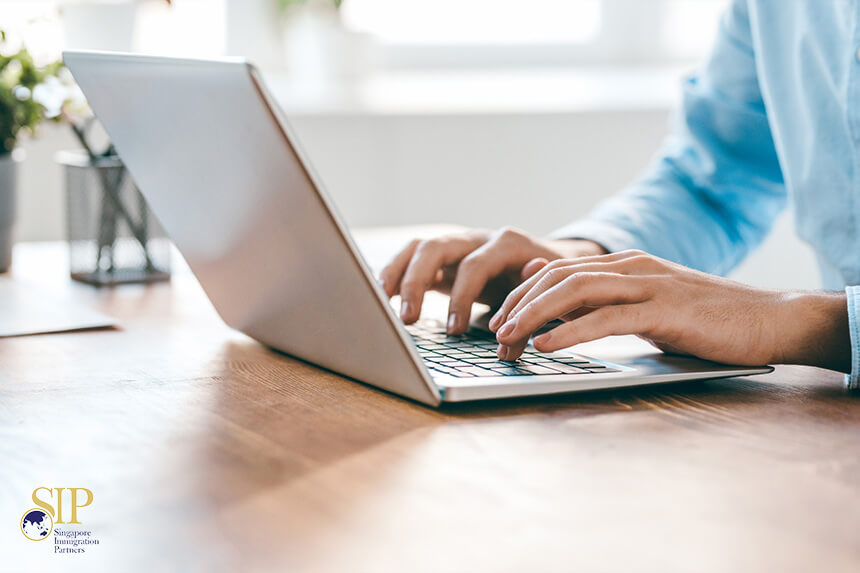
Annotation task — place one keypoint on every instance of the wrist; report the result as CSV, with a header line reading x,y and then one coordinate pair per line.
x,y
812,329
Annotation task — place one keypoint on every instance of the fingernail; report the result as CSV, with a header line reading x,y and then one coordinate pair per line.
x,y
495,320
502,352
405,310
507,329
543,338
452,322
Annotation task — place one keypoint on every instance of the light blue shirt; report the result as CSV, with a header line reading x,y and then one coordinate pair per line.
x,y
772,117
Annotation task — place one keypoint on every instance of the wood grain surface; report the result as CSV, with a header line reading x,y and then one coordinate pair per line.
x,y
206,451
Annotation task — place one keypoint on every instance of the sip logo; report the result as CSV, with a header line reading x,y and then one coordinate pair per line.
x,y
38,522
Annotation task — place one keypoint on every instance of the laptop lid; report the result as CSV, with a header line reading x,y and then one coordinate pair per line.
x,y
221,169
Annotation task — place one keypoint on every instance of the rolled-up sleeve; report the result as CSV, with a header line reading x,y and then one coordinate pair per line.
x,y
715,188
852,380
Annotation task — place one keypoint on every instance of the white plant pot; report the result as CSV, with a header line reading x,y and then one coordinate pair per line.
x,y
8,195
99,24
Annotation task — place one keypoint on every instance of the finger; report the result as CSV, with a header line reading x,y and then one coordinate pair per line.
x,y
529,270
511,353
429,257
576,291
551,279
390,275
623,262
515,295
473,273
606,321
531,267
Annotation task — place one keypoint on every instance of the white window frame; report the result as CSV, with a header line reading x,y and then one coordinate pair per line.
x,y
626,37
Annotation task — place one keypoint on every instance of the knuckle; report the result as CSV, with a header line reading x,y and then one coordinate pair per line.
x,y
558,263
527,310
649,286
577,280
508,233
634,252
508,303
410,285
555,276
427,246
639,261
470,262
641,257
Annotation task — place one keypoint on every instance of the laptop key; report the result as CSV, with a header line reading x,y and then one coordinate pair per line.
x,y
537,369
541,360
568,369
508,370
459,355
473,370
571,360
486,354
467,356
452,372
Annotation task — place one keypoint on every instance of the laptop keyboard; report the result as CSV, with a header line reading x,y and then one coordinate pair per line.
x,y
474,355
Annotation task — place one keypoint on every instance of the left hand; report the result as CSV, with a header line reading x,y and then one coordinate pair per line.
x,y
677,309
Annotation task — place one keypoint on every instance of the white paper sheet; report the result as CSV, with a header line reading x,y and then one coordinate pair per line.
x,y
26,309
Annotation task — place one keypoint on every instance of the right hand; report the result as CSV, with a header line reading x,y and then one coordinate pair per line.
x,y
474,266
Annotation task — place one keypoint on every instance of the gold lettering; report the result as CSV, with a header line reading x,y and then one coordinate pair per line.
x,y
76,505
59,491
43,504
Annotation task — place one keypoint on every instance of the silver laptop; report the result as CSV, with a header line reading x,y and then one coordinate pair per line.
x,y
219,164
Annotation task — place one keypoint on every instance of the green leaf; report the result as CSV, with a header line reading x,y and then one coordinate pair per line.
x,y
19,111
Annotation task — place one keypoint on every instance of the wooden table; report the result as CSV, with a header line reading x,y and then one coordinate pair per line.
x,y
207,452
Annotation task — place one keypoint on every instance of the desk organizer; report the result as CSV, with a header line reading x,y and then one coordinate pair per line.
x,y
113,236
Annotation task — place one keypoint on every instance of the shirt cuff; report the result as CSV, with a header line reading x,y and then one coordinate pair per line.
x,y
611,237
852,381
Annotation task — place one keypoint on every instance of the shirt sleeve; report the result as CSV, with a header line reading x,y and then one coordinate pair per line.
x,y
852,380
716,186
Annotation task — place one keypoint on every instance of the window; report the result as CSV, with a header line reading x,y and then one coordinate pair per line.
x,y
471,22
690,26
536,32
409,33
188,27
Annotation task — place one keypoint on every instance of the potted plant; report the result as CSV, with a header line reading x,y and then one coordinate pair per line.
x,y
21,110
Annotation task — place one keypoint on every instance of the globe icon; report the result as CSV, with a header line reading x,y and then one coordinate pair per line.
x,y
36,524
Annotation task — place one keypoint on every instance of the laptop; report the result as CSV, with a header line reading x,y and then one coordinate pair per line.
x,y
221,168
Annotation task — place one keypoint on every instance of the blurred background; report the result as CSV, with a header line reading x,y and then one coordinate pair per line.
x,y
477,112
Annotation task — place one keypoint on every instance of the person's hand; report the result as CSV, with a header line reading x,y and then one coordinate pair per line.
x,y
678,309
478,265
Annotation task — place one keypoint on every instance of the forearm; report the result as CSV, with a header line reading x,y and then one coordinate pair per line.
x,y
813,330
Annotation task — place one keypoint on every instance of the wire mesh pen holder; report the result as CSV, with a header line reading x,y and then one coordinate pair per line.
x,y
113,236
